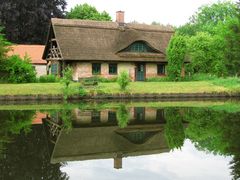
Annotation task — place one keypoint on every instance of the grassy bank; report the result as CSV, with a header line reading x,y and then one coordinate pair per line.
x,y
216,86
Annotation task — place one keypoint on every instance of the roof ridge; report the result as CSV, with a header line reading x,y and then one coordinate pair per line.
x,y
108,25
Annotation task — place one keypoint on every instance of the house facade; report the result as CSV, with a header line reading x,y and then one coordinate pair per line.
x,y
34,52
98,48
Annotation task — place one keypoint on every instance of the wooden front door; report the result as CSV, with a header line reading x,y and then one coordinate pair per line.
x,y
140,72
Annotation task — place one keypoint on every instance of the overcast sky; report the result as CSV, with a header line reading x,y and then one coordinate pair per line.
x,y
174,12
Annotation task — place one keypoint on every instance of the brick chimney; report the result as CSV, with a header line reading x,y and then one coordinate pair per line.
x,y
120,17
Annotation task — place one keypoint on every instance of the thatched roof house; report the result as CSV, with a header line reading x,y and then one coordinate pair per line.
x,y
106,48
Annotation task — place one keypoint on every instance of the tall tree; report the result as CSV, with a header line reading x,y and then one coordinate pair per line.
x,y
86,11
220,19
27,21
176,52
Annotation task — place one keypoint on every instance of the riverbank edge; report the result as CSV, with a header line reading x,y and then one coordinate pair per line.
x,y
44,97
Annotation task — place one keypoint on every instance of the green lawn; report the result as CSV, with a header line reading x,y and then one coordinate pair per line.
x,y
135,87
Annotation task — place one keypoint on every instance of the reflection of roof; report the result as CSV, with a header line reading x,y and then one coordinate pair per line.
x,y
104,142
33,51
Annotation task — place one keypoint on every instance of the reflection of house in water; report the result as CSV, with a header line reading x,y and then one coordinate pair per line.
x,y
96,135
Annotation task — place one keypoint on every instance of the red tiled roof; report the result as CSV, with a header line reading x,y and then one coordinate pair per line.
x,y
35,52
38,118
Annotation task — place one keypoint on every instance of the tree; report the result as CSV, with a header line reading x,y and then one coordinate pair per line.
x,y
217,12
27,21
220,20
204,54
176,52
86,11
3,51
3,45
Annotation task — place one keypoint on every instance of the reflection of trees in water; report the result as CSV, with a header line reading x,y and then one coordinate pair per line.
x,y
12,122
174,130
27,155
214,131
210,130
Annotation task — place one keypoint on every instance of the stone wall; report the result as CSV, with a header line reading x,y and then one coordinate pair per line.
x,y
40,69
84,69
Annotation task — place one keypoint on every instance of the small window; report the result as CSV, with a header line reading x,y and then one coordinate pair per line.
x,y
54,69
112,68
96,68
96,117
112,116
161,69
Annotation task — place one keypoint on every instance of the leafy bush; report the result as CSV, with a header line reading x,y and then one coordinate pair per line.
x,y
67,76
47,78
66,80
123,80
19,70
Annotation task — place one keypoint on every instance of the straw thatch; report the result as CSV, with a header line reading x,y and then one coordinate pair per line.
x,y
98,40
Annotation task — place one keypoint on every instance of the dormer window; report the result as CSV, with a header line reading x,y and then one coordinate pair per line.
x,y
139,46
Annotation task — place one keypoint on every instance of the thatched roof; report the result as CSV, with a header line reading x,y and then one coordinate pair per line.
x,y
98,40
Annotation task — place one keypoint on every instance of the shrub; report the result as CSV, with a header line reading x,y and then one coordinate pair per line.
x,y
123,80
47,78
66,80
19,70
67,76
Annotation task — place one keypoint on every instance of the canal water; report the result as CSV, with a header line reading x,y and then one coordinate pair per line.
x,y
121,140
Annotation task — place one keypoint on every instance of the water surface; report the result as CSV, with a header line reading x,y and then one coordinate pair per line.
x,y
121,140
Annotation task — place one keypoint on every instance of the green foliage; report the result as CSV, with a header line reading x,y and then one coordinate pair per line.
x,y
176,52
67,76
217,12
27,21
86,11
48,78
203,51
122,116
82,91
66,80
123,80
174,130
19,70
221,22
3,45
